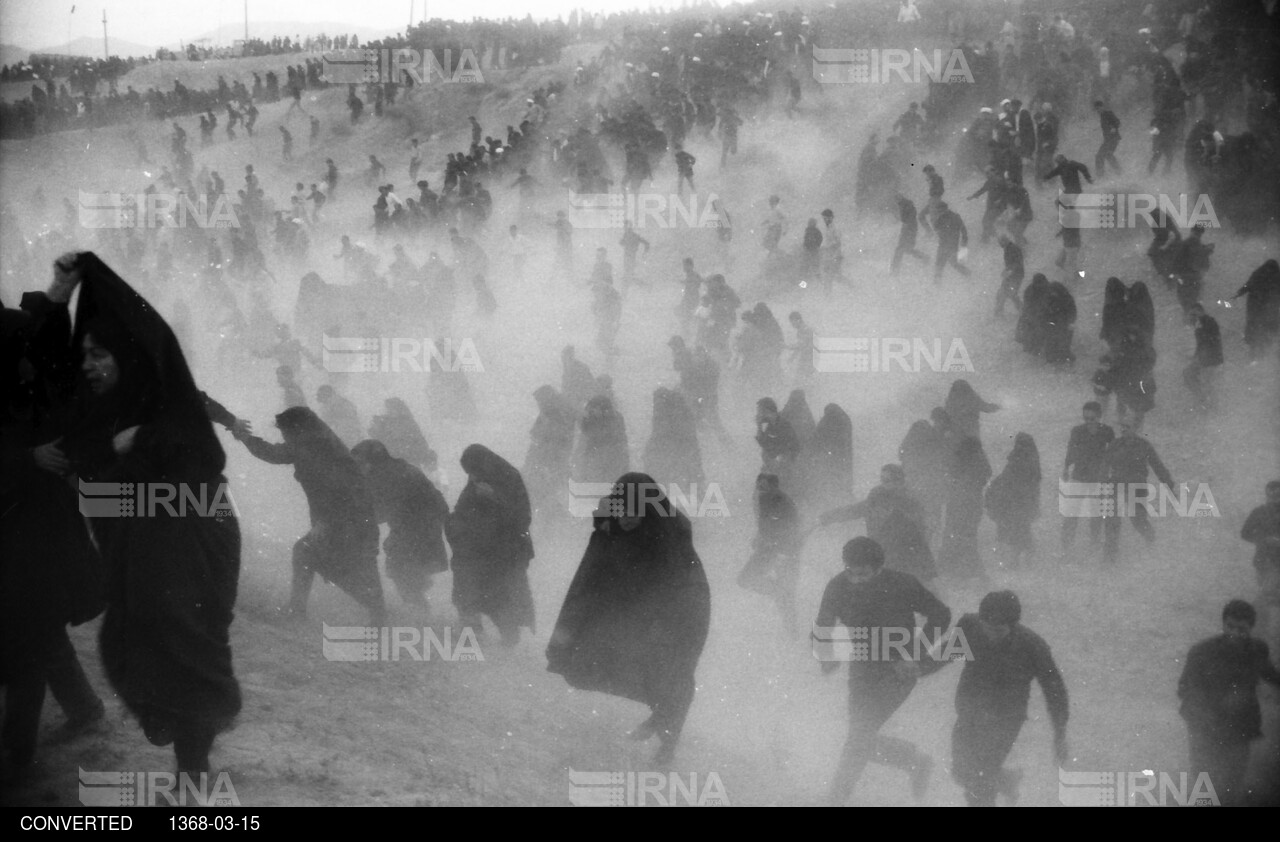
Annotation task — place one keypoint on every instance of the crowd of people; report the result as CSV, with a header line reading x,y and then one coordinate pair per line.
x,y
105,390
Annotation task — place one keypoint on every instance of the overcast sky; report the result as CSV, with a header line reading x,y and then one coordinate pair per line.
x,y
43,23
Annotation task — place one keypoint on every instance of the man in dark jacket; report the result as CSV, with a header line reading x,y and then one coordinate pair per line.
x,y
1011,278
952,236
1003,658
895,520
1199,375
1262,529
1219,693
1110,139
1069,172
1085,449
1125,464
867,598
907,235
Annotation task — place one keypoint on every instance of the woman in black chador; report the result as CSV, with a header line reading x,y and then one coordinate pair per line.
x,y
342,545
492,548
967,480
831,458
602,447
415,511
171,575
637,612
672,453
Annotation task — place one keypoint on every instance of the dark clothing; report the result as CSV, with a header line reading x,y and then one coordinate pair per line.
x,y
416,512
50,572
492,548
1070,172
1219,687
890,600
896,521
637,612
991,703
1262,523
342,545
171,579
1085,452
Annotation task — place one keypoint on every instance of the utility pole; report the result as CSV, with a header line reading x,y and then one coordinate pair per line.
x,y
106,53
246,21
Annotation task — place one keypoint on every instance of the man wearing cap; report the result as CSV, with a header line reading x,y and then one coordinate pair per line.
x,y
877,605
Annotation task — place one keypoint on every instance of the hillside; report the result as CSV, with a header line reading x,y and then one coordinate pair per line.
x,y
502,730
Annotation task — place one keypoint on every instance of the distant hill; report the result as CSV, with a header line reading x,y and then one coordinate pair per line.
x,y
229,33
92,48
11,53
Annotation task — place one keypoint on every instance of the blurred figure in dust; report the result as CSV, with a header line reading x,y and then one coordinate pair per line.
x,y
602,448
340,415
774,565
547,465
398,430
448,390
415,511
831,478
606,307
289,388
895,521
1200,374
964,406
486,304
1013,499
967,479
924,455
636,615
779,447
1262,308
137,417
342,544
577,383
492,548
672,454
797,413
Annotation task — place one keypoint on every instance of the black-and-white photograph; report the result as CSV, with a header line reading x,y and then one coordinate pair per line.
x,y
649,403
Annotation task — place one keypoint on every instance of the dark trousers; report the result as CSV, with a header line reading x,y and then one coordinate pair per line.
x,y
1224,762
60,670
1106,155
906,245
948,255
361,583
1009,287
872,700
979,746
